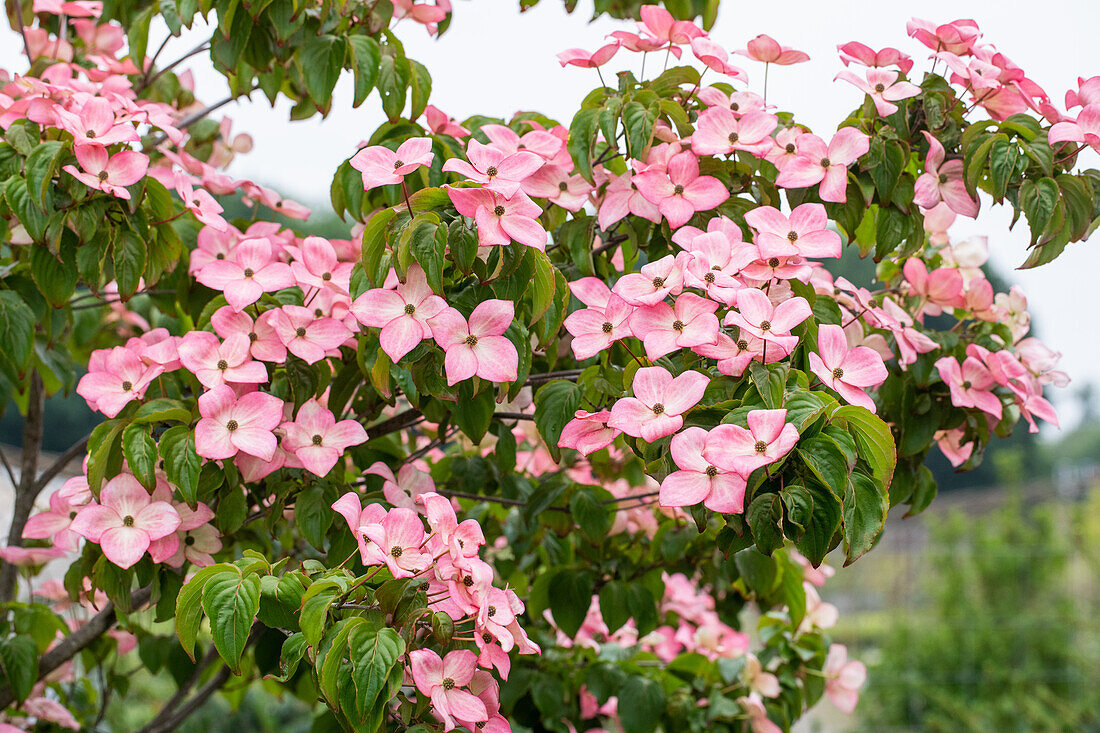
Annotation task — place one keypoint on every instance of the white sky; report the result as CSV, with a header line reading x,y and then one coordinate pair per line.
x,y
496,61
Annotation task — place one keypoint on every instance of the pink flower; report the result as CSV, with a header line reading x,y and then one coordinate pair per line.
x,y
399,537
54,524
498,172
402,315
957,37
720,131
229,424
318,440
252,272
804,233
847,372
406,488
553,182
584,59
758,714
941,288
858,53
381,166
595,329
94,124
843,678
263,341
943,182
588,432
765,48
479,347
656,281
622,197
658,403
114,379
442,680
829,166
700,479
441,124
970,383
715,57
681,191
716,263
216,363
25,557
662,26
500,219
109,174
757,316
768,438
125,521
883,87
317,266
735,356
664,328
351,508
305,335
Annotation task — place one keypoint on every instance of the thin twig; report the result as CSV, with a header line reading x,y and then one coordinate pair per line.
x,y
513,416
205,45
494,499
60,462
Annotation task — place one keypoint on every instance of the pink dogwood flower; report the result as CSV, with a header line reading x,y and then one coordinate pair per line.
x,y
498,172
501,219
715,57
115,378
318,440
584,59
317,266
381,166
478,347
843,678
700,479
805,232
680,191
252,272
553,182
658,404
94,124
229,424
847,372
442,680
941,288
828,166
957,37
588,432
215,362
400,538
263,341
971,384
54,525
768,438
656,281
883,87
442,124
660,24
125,521
758,714
767,49
664,328
110,174
402,315
757,316
858,53
595,329
622,197
305,335
943,181
719,131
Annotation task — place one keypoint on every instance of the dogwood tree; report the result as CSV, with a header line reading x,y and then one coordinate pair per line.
x,y
560,436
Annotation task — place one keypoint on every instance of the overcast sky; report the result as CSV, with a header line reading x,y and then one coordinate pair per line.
x,y
496,61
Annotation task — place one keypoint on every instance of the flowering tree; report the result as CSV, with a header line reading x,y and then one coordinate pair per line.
x,y
570,407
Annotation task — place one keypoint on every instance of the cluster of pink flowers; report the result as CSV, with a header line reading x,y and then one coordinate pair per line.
x,y
446,560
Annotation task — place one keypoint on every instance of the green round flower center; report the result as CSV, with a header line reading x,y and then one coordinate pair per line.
x,y
249,272
658,282
679,190
470,340
222,365
773,262
398,163
300,332
448,683
732,138
128,521
317,440
765,325
491,171
712,471
678,326
410,309
396,551
127,386
880,88
838,373
825,162
498,210
760,447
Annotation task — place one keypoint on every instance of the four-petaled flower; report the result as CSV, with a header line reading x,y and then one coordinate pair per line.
x,y
442,679
768,438
230,424
478,347
702,476
318,440
680,191
847,372
125,521
402,315
381,166
658,404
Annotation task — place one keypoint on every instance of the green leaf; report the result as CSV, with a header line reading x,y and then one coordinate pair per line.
x,y
641,705
825,459
141,454
128,255
366,58
791,590
374,245
162,409
189,604
294,648
542,287
763,516
759,571
643,608
315,606
887,159
321,60
613,605
816,540
473,415
30,215
555,404
1037,201
231,603
864,513
103,446
1002,166
873,438
770,381
55,277
638,120
590,515
426,240
420,82
16,335
374,652
181,463
313,515
570,594
393,84
41,167
19,660
582,135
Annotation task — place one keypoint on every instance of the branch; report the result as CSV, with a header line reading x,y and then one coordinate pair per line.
x,y
95,627
494,499
25,492
196,50
513,416
400,421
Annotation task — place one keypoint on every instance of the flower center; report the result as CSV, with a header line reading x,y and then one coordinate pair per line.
x,y
231,425
491,171
90,133
943,178
679,190
732,138
397,164
563,186
189,540
709,277
765,325
735,106
880,88
470,340
222,365
491,611
317,439
678,326
396,551
410,309
468,581
790,148
607,327
317,313
658,282
773,262
249,272
838,373
792,236
300,332
498,210
760,447
448,683
712,471
253,337
103,175
487,638
742,345
967,384
128,521
825,162
326,276
127,386
658,408
219,256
